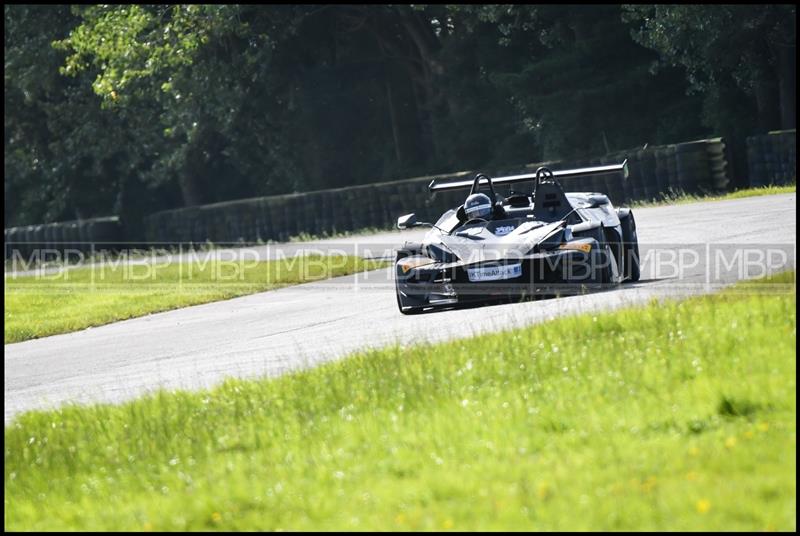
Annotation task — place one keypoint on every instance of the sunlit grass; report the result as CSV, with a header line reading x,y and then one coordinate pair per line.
x,y
37,306
673,198
673,416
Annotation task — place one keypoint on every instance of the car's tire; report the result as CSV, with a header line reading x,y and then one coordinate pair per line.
x,y
604,260
401,305
601,258
406,309
630,248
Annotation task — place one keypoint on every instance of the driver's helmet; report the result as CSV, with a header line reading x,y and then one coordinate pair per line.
x,y
478,206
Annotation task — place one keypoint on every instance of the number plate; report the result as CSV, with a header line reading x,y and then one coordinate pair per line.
x,y
494,273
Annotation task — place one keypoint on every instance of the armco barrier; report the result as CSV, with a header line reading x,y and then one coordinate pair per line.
x,y
772,158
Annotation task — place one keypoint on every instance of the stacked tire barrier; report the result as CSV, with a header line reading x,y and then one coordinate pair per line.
x,y
82,236
281,217
772,158
693,167
718,163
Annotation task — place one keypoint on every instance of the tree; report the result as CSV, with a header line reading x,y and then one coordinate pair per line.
x,y
750,46
131,109
579,83
64,156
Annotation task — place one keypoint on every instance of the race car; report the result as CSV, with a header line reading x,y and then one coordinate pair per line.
x,y
527,244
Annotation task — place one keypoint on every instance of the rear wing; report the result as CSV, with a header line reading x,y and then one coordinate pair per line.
x,y
435,186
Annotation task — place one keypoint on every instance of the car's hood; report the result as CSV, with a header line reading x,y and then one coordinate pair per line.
x,y
496,241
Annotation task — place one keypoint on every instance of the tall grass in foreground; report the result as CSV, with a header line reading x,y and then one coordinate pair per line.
x,y
38,306
678,415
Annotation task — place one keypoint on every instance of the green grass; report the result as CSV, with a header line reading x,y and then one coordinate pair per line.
x,y
309,237
38,306
677,415
673,198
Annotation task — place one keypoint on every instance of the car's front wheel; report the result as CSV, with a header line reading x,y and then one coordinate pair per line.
x,y
402,305
604,256
630,242
407,309
601,274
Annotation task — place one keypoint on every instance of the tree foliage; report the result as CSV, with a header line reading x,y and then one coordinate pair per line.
x,y
749,47
63,153
133,108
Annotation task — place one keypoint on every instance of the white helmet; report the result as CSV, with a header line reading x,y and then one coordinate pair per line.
x,y
478,206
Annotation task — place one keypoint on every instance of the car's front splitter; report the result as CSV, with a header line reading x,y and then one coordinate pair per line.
x,y
560,272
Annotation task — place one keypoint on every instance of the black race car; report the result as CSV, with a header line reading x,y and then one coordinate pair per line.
x,y
543,243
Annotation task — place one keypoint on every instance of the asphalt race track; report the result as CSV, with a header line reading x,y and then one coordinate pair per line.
x,y
685,249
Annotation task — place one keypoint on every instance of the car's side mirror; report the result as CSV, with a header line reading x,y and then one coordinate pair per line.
x,y
407,222
597,201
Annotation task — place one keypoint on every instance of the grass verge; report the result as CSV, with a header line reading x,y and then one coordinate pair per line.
x,y
38,306
677,415
673,198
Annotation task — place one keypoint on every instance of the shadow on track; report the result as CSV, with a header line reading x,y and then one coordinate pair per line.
x,y
494,302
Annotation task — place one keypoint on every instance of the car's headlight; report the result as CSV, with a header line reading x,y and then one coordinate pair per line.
x,y
586,247
416,261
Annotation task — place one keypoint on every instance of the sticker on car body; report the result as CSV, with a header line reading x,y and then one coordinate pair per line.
x,y
494,273
503,230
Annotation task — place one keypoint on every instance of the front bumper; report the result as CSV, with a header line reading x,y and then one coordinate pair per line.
x,y
559,272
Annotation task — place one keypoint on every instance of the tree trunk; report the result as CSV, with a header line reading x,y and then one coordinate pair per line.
x,y
765,90
787,85
767,105
190,190
429,110
429,68
424,140
393,120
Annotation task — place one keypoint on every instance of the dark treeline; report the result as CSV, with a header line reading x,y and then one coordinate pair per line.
x,y
132,109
